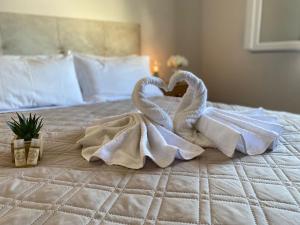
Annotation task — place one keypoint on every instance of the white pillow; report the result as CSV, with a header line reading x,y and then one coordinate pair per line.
x,y
111,78
27,82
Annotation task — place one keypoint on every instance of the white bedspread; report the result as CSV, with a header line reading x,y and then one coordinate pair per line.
x,y
211,189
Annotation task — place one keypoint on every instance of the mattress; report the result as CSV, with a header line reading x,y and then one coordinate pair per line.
x,y
211,189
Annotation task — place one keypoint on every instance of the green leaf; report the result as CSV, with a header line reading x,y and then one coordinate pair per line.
x,y
26,128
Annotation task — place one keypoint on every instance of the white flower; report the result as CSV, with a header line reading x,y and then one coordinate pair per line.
x,y
177,61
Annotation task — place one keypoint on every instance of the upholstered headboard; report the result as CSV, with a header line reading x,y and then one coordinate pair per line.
x,y
30,34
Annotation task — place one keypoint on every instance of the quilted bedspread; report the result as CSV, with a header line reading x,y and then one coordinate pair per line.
x,y
211,189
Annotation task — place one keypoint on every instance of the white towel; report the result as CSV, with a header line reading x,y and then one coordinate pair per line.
x,y
190,109
127,139
251,132
230,131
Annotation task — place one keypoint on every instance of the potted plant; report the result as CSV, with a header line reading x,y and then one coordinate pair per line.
x,y
26,145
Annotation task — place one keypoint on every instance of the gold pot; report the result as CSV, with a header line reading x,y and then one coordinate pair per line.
x,y
27,145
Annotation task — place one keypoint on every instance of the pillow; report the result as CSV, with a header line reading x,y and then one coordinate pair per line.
x,y
111,78
27,82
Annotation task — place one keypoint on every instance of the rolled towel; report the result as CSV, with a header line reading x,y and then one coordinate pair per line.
x,y
127,139
250,132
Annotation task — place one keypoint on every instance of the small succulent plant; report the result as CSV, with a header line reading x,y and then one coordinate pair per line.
x,y
26,128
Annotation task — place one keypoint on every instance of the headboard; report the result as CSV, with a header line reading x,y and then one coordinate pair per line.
x,y
30,35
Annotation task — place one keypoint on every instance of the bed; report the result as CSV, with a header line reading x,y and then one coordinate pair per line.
x,y
211,189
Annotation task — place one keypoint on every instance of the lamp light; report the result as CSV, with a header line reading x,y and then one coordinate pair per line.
x,y
156,68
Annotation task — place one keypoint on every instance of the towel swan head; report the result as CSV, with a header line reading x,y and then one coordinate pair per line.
x,y
193,103
151,110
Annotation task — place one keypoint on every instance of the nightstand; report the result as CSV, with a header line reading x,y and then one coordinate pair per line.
x,y
178,91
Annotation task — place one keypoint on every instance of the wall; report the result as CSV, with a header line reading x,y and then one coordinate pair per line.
x,y
155,16
188,32
234,75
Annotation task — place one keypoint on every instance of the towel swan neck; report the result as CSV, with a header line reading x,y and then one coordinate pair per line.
x,y
151,110
193,103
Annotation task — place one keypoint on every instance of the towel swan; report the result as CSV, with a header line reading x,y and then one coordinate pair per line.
x,y
191,108
127,139
251,132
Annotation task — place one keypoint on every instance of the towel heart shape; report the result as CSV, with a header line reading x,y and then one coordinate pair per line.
x,y
130,138
190,108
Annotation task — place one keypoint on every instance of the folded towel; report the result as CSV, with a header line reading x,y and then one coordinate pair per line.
x,y
250,132
127,139
230,131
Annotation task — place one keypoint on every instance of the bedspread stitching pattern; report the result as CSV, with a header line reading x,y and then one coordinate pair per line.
x,y
209,190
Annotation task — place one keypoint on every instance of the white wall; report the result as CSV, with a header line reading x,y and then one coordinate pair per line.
x,y
155,16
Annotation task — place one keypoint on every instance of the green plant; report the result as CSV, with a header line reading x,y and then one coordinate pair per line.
x,y
26,128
